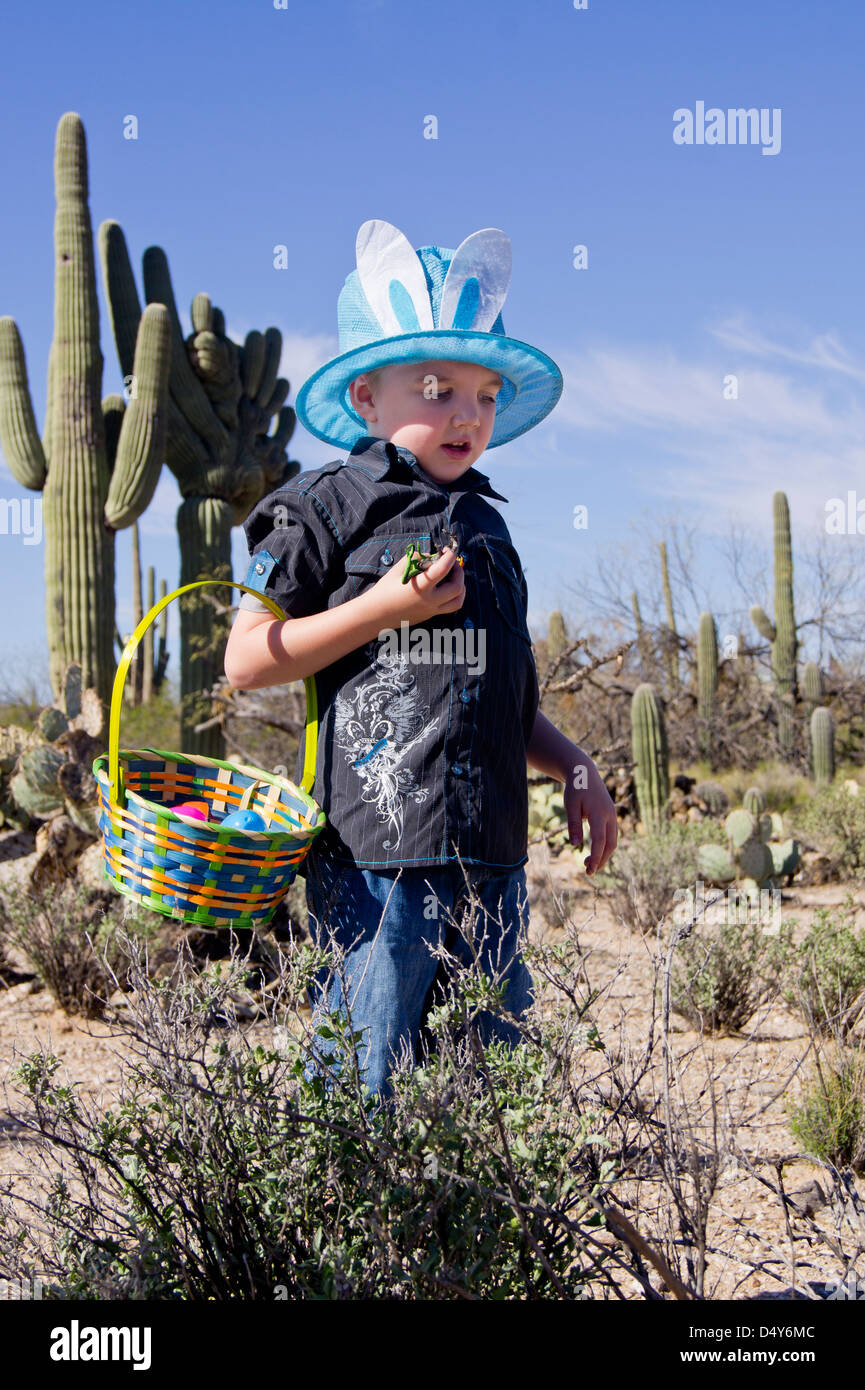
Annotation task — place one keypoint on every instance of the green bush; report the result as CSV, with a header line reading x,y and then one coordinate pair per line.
x,y
74,941
829,1119
835,821
826,972
723,971
225,1171
646,878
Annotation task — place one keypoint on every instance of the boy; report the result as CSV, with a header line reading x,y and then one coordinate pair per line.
x,y
421,757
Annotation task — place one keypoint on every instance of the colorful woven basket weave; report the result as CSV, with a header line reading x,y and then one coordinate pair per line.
x,y
195,870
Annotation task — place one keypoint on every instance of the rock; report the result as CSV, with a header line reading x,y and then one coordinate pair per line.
x,y
91,867
808,1200
58,844
816,869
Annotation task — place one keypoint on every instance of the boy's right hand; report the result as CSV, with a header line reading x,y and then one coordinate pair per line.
x,y
420,598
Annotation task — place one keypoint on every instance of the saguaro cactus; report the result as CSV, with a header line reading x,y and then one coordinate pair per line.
x,y
822,746
672,641
222,400
557,634
707,684
782,633
649,744
98,463
644,638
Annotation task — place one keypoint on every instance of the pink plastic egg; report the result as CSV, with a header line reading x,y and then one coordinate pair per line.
x,y
195,810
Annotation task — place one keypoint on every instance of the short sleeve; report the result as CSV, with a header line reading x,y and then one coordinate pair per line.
x,y
293,528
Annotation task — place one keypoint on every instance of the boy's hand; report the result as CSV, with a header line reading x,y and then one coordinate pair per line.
x,y
593,803
420,599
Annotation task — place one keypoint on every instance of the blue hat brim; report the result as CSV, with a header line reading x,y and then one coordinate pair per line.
x,y
324,407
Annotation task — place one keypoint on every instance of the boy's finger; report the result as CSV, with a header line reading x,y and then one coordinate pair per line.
x,y
599,854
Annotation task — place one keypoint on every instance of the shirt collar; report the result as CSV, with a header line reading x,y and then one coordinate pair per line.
x,y
377,456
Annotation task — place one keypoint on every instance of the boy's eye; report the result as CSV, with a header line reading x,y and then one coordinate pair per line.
x,y
447,391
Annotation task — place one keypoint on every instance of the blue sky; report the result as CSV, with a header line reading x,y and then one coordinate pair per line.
x,y
261,126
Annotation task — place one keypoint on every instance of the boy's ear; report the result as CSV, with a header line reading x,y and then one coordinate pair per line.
x,y
360,394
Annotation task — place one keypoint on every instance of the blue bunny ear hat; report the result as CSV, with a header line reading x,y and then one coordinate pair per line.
x,y
402,305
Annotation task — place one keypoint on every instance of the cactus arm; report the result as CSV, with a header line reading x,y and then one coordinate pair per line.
x,y
272,354
186,390
19,436
141,446
185,454
252,363
761,621
121,294
113,410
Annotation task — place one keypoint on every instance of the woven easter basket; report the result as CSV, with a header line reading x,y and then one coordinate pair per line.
x,y
197,870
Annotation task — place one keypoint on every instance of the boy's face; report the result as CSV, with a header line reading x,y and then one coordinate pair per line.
x,y
427,406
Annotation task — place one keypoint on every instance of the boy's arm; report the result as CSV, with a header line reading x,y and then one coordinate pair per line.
x,y
263,651
585,796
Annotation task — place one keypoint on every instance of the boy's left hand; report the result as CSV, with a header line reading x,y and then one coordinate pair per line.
x,y
593,803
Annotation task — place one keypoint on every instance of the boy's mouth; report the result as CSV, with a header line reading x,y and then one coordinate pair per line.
x,y
458,450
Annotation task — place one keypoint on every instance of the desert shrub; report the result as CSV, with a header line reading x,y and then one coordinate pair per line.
x,y
645,879
230,1169
835,821
73,941
826,972
829,1118
724,970
782,785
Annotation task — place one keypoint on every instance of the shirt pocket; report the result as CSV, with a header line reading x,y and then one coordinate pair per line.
x,y
508,588
375,557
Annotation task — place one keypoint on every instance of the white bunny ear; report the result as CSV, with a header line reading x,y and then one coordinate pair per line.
x,y
392,278
477,281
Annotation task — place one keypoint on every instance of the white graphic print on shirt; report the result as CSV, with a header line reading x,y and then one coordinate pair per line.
x,y
377,726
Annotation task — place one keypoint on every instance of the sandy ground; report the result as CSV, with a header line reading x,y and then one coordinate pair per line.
x,y
747,1224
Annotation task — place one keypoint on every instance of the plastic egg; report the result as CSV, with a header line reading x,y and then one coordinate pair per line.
x,y
244,820
196,810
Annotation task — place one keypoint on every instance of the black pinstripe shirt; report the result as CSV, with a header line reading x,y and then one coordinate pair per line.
x,y
422,732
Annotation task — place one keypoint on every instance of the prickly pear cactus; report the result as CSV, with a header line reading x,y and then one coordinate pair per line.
x,y
751,856
547,815
52,773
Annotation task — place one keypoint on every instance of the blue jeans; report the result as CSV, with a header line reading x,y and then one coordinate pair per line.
x,y
385,921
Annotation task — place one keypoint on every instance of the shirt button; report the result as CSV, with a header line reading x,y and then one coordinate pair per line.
x,y
468,623
387,558
457,769
465,696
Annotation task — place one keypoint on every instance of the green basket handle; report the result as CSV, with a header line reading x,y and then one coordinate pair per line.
x,y
115,776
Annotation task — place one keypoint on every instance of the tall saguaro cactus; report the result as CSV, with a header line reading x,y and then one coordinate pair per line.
x,y
98,463
782,633
651,761
223,398
671,636
707,683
